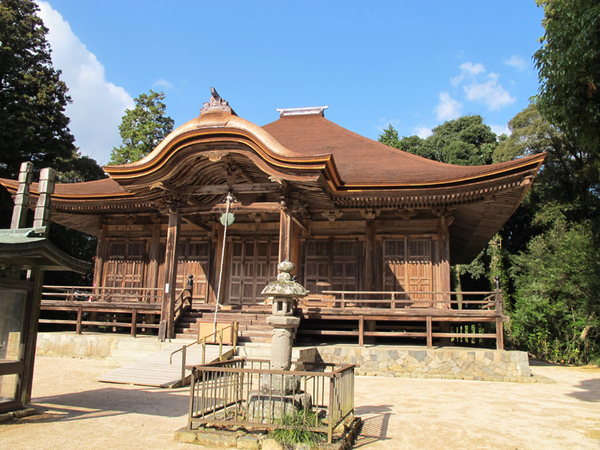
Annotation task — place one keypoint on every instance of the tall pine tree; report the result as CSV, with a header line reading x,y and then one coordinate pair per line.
x,y
142,128
33,124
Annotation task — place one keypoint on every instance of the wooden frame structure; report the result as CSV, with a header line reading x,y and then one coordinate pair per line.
x,y
351,213
25,254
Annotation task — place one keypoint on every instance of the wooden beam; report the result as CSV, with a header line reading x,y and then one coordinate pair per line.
x,y
254,207
194,220
241,188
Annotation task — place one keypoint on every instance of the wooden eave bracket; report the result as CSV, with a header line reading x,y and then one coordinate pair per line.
x,y
332,214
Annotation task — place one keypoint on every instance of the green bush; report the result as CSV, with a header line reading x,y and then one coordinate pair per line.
x,y
557,312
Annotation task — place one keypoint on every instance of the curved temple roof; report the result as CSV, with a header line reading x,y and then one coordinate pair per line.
x,y
333,167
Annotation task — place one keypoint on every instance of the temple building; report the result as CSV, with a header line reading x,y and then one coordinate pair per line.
x,y
371,229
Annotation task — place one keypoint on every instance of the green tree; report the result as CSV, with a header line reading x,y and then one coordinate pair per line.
x,y
569,175
33,126
553,238
79,168
465,141
569,69
557,313
142,128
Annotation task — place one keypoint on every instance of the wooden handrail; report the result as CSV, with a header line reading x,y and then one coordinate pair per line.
x,y
491,301
218,333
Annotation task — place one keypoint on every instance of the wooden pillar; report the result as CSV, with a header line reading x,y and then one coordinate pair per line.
x,y
154,256
444,256
215,268
101,255
46,189
499,334
370,246
444,271
19,216
168,304
285,235
31,331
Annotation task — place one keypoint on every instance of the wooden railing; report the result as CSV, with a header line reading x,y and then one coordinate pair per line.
x,y
93,303
216,335
401,315
393,301
183,302
233,394
102,294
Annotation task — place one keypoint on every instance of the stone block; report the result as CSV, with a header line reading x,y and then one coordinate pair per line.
x,y
262,407
185,435
248,443
271,444
216,439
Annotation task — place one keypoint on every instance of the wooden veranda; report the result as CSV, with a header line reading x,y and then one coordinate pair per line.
x,y
397,316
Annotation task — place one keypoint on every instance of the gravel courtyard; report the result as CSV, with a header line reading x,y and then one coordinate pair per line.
x,y
81,413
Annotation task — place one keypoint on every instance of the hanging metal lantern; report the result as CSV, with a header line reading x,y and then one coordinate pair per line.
x,y
227,219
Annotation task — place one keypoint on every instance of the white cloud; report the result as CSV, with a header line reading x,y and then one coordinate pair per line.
x,y
517,62
447,108
162,83
500,129
98,105
422,132
489,92
467,71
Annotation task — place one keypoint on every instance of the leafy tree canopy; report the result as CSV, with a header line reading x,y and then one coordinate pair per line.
x,y
569,175
557,314
33,126
569,69
465,141
142,128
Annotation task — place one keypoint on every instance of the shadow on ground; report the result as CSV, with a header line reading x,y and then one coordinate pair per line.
x,y
375,422
110,402
590,391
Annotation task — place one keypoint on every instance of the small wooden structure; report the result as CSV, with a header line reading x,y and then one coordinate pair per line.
x,y
356,217
25,254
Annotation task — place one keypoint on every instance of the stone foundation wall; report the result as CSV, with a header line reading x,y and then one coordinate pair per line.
x,y
113,349
447,363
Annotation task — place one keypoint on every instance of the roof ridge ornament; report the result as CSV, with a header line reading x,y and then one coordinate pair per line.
x,y
302,111
216,104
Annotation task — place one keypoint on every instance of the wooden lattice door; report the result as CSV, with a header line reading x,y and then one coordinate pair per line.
x,y
332,261
194,257
253,266
408,268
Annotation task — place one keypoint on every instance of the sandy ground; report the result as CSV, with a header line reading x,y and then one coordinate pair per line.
x,y
81,413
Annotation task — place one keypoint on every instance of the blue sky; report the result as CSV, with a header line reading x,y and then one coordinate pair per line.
x,y
414,64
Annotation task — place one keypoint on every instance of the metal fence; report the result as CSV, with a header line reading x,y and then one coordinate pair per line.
x,y
243,392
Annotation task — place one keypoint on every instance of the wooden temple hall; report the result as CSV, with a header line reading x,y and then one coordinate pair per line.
x,y
372,231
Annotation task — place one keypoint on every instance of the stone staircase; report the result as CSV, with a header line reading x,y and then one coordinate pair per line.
x,y
252,322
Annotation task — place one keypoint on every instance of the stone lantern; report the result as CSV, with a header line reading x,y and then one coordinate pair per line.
x,y
283,291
